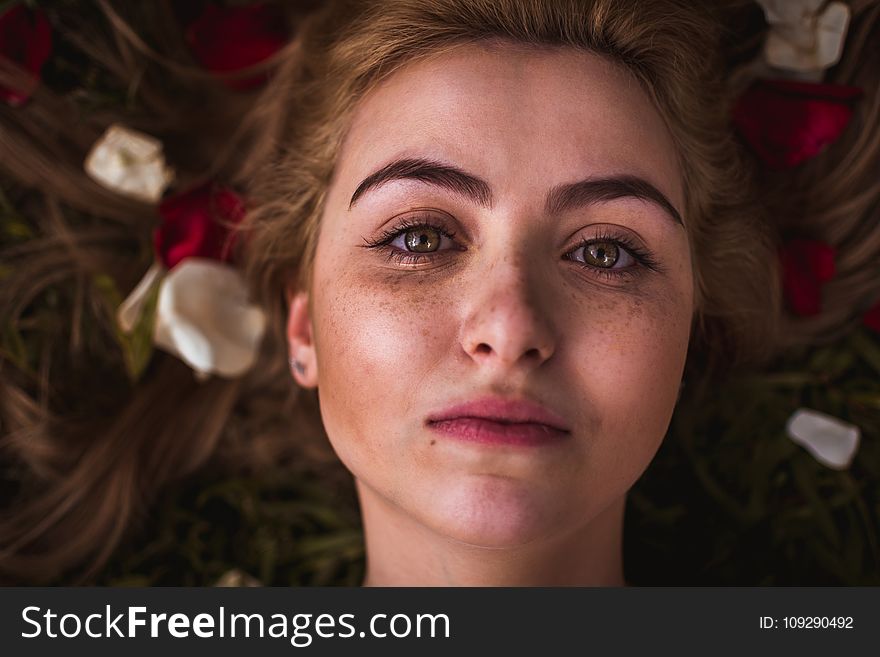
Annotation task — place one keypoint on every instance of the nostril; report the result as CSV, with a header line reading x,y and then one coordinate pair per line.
x,y
483,348
533,353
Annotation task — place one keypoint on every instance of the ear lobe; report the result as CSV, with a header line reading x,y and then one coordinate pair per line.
x,y
300,343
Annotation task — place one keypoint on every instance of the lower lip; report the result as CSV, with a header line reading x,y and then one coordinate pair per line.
x,y
488,432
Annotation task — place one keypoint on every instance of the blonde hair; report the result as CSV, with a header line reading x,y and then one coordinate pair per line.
x,y
89,466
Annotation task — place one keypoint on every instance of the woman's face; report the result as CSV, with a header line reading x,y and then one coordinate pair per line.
x,y
519,243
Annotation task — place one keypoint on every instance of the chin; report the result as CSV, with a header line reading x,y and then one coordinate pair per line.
x,y
491,511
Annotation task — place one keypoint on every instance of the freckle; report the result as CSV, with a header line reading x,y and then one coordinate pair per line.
x,y
433,441
391,282
636,308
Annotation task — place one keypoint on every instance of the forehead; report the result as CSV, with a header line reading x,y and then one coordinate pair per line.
x,y
523,117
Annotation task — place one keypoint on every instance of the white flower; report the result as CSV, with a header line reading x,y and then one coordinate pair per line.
x,y
802,41
789,11
132,308
832,442
238,578
205,319
130,163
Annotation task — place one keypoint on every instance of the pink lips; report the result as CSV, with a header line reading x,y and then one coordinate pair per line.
x,y
493,420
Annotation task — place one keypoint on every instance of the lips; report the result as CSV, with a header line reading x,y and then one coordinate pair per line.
x,y
493,420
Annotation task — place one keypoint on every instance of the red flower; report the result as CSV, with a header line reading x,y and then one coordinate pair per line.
x,y
787,122
198,223
25,40
226,39
806,266
871,319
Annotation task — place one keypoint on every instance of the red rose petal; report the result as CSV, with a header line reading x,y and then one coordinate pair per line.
x,y
871,319
226,39
787,122
820,260
806,265
198,223
25,40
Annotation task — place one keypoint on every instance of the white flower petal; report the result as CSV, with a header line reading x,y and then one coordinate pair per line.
x,y
130,310
236,577
129,162
789,11
186,342
831,441
204,318
812,44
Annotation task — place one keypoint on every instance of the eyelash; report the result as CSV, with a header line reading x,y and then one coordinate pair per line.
x,y
641,256
408,257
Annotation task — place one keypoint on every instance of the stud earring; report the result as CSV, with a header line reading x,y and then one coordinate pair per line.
x,y
299,367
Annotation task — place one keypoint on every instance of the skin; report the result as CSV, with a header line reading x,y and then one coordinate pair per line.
x,y
509,311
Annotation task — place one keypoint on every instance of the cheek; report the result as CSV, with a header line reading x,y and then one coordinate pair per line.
x,y
378,335
635,345
627,363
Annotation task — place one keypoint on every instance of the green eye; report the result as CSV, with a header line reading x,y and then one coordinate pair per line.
x,y
422,240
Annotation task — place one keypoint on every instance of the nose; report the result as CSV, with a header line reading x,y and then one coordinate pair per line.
x,y
505,325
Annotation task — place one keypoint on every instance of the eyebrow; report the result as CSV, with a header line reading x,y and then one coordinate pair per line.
x,y
596,190
560,199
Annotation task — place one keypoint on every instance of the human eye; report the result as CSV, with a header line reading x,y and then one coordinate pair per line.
x,y
614,257
415,239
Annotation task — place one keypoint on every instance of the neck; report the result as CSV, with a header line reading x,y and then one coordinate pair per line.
x,y
403,552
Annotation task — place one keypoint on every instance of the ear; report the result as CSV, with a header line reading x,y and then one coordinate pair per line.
x,y
300,344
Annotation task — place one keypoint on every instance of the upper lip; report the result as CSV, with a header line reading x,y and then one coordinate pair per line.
x,y
501,409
